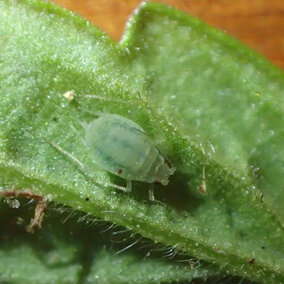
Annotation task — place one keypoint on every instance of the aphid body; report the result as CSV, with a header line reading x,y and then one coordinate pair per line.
x,y
120,146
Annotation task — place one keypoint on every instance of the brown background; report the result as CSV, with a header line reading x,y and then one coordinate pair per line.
x,y
258,23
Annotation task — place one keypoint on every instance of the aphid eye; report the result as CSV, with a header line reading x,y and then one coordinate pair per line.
x,y
119,171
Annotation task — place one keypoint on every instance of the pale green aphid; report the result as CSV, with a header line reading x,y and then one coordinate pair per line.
x,y
120,146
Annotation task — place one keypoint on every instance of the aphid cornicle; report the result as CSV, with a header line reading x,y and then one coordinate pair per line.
x,y
120,146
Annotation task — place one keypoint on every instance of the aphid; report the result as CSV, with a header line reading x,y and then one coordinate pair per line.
x,y
121,147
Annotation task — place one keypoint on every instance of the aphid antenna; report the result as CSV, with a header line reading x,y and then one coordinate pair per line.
x,y
92,113
85,170
98,97
109,211
84,125
69,155
70,95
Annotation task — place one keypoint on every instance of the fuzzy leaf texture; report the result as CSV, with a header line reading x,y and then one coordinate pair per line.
x,y
204,98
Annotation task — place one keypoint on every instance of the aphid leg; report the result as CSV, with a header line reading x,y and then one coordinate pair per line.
x,y
152,196
128,186
69,155
85,169
41,204
124,189
202,187
151,193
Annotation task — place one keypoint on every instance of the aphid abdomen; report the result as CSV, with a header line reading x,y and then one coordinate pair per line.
x,y
118,145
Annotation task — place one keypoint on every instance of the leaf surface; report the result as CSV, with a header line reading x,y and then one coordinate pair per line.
x,y
205,99
80,252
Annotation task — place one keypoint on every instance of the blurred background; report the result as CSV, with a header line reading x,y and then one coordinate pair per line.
x,y
257,23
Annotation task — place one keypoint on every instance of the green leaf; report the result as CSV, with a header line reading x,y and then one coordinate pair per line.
x,y
221,94
79,253
207,100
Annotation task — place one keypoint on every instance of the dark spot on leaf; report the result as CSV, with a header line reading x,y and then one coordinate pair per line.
x,y
87,198
251,261
119,171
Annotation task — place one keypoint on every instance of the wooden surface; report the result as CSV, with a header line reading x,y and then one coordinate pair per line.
x,y
257,23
